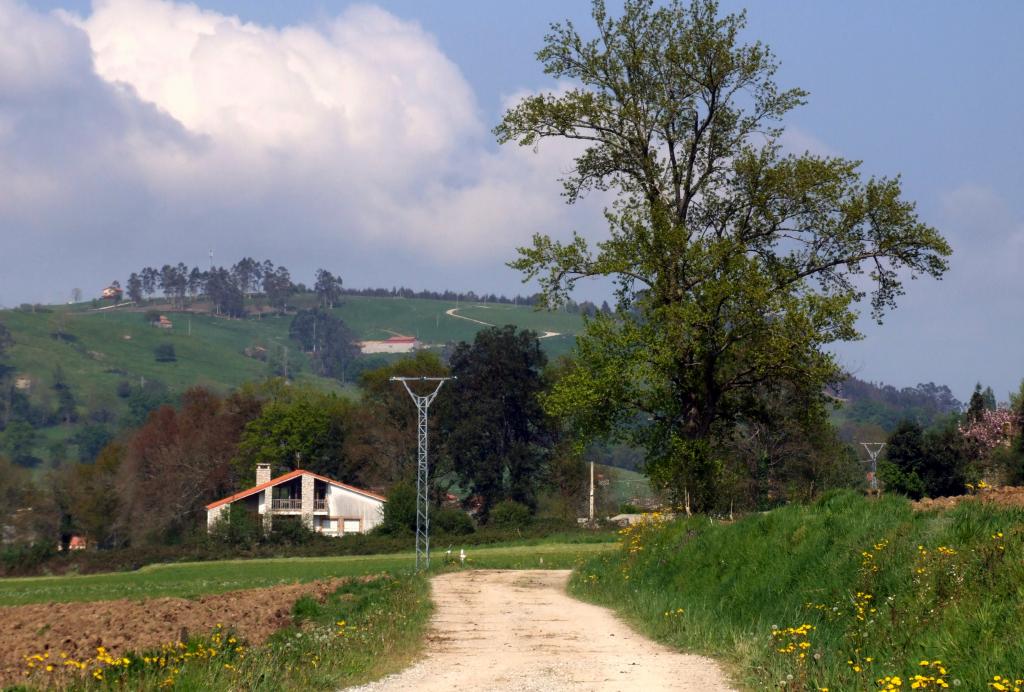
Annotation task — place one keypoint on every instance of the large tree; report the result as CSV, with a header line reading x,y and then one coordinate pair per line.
x,y
495,431
383,435
736,263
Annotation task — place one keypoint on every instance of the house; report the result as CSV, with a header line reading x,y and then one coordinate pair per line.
x,y
395,344
112,293
326,505
163,323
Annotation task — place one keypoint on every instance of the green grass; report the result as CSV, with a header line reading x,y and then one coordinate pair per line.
x,y
190,580
805,565
209,350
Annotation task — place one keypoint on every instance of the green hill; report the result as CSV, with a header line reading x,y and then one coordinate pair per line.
x,y
103,354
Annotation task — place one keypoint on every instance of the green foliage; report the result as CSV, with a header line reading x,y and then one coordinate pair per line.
x,y
302,428
451,521
736,265
290,530
19,442
330,342
509,514
144,399
399,510
497,434
981,400
164,353
237,527
67,410
881,587
919,463
90,440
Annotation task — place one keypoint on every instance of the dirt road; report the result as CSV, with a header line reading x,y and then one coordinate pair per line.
x,y
520,631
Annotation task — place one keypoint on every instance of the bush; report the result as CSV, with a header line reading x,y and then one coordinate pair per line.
x,y
290,531
237,528
25,558
452,521
509,514
124,389
399,510
164,353
152,316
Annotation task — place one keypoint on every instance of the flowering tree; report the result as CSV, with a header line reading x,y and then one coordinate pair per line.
x,y
989,430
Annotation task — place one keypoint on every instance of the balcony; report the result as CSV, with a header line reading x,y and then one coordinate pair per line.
x,y
295,504
286,505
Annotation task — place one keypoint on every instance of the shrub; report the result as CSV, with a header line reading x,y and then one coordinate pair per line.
x,y
399,510
452,521
290,531
509,514
164,353
124,389
237,527
152,316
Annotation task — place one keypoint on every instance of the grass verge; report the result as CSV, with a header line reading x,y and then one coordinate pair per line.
x,y
845,594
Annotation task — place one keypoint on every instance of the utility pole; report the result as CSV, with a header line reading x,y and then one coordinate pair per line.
x,y
873,450
422,488
591,493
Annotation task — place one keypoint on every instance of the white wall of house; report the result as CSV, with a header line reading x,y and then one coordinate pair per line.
x,y
212,515
344,504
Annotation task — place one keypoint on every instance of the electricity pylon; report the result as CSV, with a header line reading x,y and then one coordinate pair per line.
x,y
422,488
873,450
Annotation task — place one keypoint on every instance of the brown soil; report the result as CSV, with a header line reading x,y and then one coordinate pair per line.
x,y
1007,496
136,625
519,631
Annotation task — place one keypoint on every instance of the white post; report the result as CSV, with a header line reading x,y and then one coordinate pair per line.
x,y
591,493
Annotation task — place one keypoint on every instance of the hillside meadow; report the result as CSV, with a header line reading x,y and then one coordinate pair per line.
x,y
99,350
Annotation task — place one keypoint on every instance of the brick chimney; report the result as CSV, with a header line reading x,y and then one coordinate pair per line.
x,y
262,473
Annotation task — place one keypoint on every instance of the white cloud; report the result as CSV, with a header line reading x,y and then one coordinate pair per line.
x,y
161,129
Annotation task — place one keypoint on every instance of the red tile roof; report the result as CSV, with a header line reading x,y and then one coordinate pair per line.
x,y
287,477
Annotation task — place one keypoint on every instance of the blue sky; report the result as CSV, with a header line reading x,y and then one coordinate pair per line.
x,y
928,90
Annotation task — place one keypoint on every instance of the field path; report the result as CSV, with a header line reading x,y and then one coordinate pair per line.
x,y
454,313
518,630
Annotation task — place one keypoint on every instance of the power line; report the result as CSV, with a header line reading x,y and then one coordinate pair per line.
x,y
873,450
422,488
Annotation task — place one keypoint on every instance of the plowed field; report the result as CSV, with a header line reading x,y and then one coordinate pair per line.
x,y
77,629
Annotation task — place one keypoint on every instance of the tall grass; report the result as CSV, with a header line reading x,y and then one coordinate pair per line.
x,y
841,594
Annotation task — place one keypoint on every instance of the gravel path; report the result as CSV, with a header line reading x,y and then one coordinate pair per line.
x,y
520,631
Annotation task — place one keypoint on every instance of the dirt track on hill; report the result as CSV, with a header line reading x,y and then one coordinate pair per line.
x,y
520,631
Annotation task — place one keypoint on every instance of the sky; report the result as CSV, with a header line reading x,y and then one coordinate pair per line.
x,y
356,137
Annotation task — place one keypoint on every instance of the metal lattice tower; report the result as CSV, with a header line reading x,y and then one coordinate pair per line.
x,y
422,466
873,450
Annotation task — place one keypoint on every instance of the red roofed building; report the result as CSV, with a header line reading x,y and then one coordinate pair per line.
x,y
395,344
326,505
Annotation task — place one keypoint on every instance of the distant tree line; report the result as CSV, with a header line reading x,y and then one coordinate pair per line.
x,y
225,287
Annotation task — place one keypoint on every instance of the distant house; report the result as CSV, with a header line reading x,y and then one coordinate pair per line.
x,y
112,293
23,382
163,323
326,505
396,344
